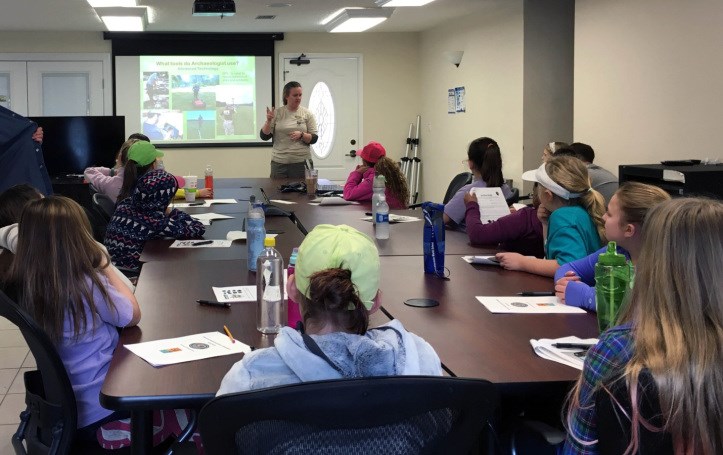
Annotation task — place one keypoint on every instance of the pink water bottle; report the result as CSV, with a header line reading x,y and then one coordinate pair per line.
x,y
294,315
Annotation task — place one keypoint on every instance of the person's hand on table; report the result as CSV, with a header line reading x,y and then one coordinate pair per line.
x,y
469,197
511,261
205,193
38,135
561,284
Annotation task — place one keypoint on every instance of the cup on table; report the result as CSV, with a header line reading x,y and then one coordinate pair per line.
x,y
312,177
191,187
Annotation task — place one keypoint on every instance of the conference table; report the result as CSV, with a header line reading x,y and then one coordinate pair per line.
x,y
470,341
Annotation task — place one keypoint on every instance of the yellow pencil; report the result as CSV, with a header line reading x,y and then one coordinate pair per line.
x,y
228,332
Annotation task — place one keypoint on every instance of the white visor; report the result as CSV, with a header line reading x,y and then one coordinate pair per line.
x,y
540,176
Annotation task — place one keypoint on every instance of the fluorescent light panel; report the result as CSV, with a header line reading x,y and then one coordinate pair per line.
x,y
402,3
358,20
118,19
111,3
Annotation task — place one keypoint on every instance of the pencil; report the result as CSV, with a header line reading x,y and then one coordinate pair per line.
x,y
228,332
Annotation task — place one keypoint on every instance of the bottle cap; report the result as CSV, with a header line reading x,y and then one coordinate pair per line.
x,y
611,257
269,241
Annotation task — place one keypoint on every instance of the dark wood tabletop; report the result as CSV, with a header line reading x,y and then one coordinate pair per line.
x,y
471,341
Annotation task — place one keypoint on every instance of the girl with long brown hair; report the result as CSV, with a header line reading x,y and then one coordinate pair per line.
x,y
672,328
359,184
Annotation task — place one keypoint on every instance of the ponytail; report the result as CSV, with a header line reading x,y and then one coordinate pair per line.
x,y
131,173
396,182
331,294
594,203
486,156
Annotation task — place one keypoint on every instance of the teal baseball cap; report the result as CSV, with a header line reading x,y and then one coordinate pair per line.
x,y
339,247
143,153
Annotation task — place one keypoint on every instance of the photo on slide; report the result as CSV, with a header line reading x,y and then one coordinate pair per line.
x,y
155,85
200,125
163,126
194,91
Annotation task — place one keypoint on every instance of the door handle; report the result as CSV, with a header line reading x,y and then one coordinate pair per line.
x,y
352,153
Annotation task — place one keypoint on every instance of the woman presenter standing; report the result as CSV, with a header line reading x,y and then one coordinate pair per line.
x,y
293,129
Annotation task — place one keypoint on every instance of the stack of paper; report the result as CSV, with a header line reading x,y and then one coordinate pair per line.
x,y
201,244
186,349
206,218
530,305
331,200
204,203
485,260
572,357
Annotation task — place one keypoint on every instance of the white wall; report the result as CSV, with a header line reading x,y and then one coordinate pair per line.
x,y
390,91
649,79
491,72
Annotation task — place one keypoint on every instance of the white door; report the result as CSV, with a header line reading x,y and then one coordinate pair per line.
x,y
331,87
65,88
14,87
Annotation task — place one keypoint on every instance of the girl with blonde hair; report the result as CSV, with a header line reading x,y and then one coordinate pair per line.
x,y
575,281
571,213
672,329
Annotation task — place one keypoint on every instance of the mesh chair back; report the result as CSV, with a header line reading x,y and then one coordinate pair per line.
x,y
614,426
48,425
457,182
104,205
391,415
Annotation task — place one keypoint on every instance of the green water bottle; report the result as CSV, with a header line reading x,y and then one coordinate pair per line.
x,y
612,279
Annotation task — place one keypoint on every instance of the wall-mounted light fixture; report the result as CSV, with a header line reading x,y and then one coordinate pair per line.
x,y
120,19
358,20
454,57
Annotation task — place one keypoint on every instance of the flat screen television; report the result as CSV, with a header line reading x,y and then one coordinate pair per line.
x,y
71,144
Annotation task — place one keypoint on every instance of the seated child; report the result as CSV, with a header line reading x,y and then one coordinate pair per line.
x,y
672,327
485,161
359,184
520,231
146,215
575,281
571,215
336,283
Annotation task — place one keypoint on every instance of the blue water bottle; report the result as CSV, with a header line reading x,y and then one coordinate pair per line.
x,y
433,238
255,234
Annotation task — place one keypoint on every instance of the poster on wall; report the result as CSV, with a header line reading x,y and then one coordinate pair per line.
x,y
451,103
459,99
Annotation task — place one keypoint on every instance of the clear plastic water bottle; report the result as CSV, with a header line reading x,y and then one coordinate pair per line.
x,y
293,312
255,234
612,279
270,311
378,187
382,218
209,177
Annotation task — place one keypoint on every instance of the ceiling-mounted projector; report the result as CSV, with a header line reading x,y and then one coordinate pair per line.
x,y
214,8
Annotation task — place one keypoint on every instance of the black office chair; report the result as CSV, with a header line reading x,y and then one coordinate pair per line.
x,y
457,182
614,424
104,205
514,198
401,414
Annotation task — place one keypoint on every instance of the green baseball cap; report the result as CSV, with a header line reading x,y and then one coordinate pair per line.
x,y
342,247
143,153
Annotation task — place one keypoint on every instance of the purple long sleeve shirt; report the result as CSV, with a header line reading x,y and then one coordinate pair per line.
x,y
520,231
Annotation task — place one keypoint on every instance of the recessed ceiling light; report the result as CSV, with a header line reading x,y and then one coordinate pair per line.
x,y
394,3
358,20
331,16
117,19
278,5
107,3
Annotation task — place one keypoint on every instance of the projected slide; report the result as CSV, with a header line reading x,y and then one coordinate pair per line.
x,y
198,98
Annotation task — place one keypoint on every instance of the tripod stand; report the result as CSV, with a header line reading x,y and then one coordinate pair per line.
x,y
411,167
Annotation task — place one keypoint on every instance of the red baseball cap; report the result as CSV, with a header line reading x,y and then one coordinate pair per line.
x,y
372,152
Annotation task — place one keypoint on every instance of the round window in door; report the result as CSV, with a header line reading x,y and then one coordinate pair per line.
x,y
321,105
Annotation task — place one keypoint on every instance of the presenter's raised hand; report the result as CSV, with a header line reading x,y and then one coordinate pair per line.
x,y
269,114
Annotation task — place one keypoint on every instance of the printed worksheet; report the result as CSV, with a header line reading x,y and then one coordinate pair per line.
x,y
201,244
492,204
520,304
186,349
235,293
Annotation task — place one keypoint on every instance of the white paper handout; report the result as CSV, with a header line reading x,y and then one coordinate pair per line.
x,y
573,357
186,349
206,218
235,293
485,260
393,218
492,204
204,203
281,201
241,235
530,305
201,244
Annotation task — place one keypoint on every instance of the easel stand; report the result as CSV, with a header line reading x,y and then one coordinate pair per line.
x,y
406,168
415,164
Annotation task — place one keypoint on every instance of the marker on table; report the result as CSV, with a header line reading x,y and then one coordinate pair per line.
x,y
573,345
228,332
536,293
212,303
193,204
204,242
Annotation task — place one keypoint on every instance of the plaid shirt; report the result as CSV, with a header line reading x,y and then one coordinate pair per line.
x,y
606,358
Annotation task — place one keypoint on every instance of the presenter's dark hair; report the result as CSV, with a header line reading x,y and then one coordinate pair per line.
x,y
287,90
